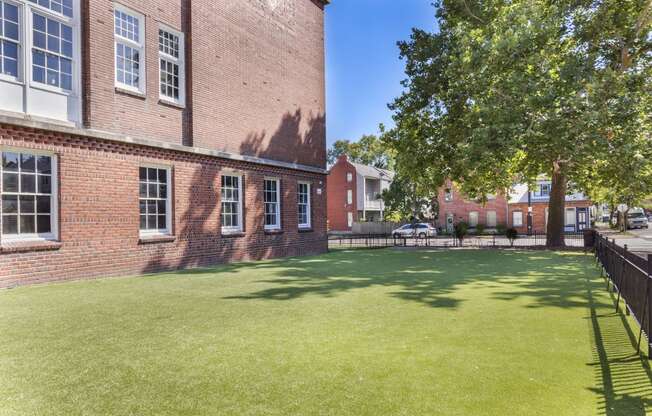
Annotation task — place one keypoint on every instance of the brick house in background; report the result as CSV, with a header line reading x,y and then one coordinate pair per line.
x,y
577,215
145,136
455,207
354,193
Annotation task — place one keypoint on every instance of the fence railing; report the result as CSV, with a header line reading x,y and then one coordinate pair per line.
x,y
536,240
630,277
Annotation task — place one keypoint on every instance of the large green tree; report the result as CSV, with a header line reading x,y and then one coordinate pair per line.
x,y
369,150
509,90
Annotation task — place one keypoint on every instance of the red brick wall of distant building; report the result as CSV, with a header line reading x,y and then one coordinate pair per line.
x,y
99,212
539,214
338,186
460,207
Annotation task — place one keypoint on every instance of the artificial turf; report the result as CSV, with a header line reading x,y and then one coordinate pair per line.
x,y
383,332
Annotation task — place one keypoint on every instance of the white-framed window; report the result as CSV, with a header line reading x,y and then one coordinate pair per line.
x,y
448,195
29,195
349,177
542,190
47,30
10,39
272,203
473,219
129,33
303,204
155,200
349,219
52,51
171,65
349,196
231,203
569,217
491,219
517,219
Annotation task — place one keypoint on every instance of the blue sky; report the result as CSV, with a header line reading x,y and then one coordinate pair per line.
x,y
363,70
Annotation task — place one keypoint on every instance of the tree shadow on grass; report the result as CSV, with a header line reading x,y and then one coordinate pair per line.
x,y
430,277
624,375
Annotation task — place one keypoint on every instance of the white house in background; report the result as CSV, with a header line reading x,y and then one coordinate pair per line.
x,y
371,182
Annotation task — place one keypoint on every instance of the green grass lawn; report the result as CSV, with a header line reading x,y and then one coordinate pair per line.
x,y
384,332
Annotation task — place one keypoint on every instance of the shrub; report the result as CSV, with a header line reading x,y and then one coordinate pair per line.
x,y
511,235
500,229
479,229
461,230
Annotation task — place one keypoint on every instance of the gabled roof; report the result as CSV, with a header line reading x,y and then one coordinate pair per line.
x,y
373,172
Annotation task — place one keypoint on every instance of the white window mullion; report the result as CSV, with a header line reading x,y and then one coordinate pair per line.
x,y
171,66
129,53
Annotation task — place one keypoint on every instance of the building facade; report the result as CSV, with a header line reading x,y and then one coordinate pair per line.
x,y
354,192
456,207
145,136
577,215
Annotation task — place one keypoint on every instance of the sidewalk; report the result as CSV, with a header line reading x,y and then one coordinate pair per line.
x,y
641,245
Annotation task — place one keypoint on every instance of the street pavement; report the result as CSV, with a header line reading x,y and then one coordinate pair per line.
x,y
639,241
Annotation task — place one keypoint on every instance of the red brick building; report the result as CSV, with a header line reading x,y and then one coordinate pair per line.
x,y
145,136
455,207
354,193
577,215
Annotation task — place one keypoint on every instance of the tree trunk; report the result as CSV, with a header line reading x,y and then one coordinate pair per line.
x,y
556,208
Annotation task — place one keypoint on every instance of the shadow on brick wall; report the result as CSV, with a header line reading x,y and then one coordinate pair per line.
x,y
199,242
290,142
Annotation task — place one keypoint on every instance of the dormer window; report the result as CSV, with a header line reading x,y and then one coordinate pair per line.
x,y
543,190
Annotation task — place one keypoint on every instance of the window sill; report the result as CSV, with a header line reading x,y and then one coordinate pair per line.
x,y
156,239
172,104
126,91
232,234
306,230
274,232
29,246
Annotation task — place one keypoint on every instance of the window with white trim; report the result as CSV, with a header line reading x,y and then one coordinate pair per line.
x,y
231,198
63,7
491,219
52,52
171,65
29,195
349,177
272,204
543,190
349,196
473,219
303,204
349,219
129,49
155,201
9,39
517,219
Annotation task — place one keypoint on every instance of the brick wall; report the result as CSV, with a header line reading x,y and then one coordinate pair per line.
x,y
538,214
338,208
460,207
99,212
255,77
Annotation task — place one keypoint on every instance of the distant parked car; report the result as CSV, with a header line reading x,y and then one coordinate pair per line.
x,y
421,230
636,219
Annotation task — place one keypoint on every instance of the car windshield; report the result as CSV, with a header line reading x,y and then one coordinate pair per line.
x,y
635,215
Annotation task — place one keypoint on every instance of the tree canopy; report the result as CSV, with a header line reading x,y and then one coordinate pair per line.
x,y
508,90
369,150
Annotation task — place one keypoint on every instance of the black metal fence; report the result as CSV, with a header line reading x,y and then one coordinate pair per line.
x,y
629,276
536,240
